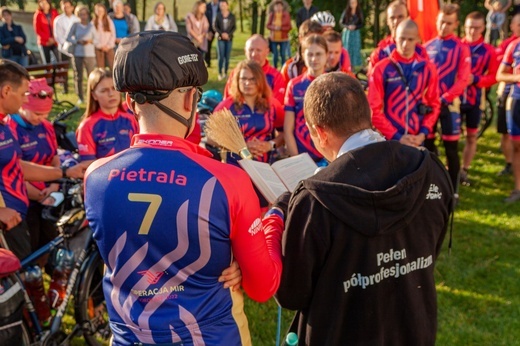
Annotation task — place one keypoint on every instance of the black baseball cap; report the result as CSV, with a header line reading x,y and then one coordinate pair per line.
x,y
158,60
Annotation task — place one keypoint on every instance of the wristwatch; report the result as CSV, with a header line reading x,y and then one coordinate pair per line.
x,y
63,172
273,145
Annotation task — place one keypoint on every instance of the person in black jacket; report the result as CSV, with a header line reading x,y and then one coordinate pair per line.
x,y
13,40
212,8
362,235
224,26
305,12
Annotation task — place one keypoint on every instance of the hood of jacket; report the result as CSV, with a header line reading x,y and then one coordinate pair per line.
x,y
377,189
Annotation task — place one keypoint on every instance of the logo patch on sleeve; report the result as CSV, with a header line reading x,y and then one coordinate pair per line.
x,y
256,226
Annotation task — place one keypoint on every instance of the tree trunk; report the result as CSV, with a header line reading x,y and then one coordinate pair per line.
x,y
254,17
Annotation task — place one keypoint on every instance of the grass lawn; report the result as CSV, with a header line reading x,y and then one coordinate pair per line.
x,y
478,283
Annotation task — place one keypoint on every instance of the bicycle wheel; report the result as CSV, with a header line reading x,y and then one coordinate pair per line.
x,y
90,308
487,117
26,335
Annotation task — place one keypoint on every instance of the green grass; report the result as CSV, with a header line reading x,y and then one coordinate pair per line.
x,y
478,283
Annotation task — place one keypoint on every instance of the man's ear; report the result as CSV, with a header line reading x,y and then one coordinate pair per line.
x,y
322,134
4,91
188,99
131,105
130,102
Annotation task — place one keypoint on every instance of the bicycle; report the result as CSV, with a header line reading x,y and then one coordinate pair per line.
x,y
84,282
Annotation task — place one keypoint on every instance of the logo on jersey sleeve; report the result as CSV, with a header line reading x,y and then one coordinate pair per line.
x,y
256,227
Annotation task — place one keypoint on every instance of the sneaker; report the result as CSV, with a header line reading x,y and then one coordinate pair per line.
x,y
456,200
513,197
80,102
463,177
506,171
220,77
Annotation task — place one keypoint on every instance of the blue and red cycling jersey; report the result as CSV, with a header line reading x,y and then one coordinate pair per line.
x,y
385,48
274,80
102,135
296,90
500,51
13,193
512,59
397,87
453,62
168,219
255,123
484,68
38,142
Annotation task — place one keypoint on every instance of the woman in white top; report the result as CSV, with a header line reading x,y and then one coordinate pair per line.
x,y
160,20
197,26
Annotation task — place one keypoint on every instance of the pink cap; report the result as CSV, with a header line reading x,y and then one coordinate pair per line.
x,y
40,96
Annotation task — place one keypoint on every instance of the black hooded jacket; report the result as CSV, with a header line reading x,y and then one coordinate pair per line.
x,y
362,237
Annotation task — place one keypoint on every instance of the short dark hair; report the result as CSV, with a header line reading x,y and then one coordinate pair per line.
x,y
337,102
449,9
6,10
12,73
332,36
476,15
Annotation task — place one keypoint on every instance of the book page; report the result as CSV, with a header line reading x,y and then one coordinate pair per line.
x,y
265,179
294,169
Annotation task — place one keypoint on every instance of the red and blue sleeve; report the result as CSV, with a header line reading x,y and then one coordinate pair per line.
x,y
257,251
431,98
289,97
488,79
463,71
376,97
279,86
279,114
86,143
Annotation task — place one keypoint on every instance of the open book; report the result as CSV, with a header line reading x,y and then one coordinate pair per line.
x,y
281,176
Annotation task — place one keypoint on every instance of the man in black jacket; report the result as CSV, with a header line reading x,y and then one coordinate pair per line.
x,y
305,12
362,235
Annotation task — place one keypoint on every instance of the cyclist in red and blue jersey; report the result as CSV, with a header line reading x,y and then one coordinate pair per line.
x,y
453,61
296,133
396,12
106,128
503,91
260,116
14,87
403,91
509,72
257,49
484,67
37,140
339,59
168,218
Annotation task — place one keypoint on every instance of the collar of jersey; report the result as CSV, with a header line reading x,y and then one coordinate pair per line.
x,y
479,41
399,58
102,114
2,117
153,140
449,37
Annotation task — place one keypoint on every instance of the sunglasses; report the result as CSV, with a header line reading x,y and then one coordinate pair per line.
x,y
42,94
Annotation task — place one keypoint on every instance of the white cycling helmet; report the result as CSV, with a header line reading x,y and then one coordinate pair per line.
x,y
325,18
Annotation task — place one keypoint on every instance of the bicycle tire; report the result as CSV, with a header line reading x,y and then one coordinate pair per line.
x,y
90,307
27,338
487,118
